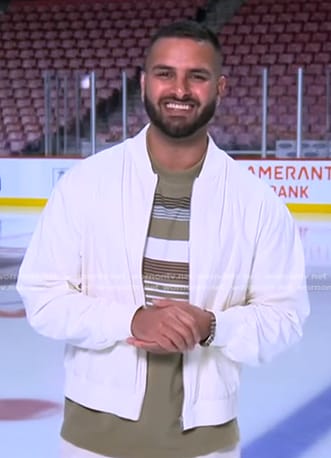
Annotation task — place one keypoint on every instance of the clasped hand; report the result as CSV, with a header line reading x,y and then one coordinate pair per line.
x,y
169,326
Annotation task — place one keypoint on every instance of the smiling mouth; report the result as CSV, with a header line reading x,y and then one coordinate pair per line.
x,y
178,106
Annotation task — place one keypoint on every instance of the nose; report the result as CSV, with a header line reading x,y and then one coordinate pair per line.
x,y
182,87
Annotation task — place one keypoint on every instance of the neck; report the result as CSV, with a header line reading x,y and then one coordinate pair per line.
x,y
176,154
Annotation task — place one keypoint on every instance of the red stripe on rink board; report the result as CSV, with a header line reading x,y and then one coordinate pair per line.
x,y
18,313
27,409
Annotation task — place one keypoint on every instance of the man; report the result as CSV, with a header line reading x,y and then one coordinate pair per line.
x,y
164,266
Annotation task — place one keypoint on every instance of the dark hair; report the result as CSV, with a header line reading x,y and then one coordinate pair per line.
x,y
187,29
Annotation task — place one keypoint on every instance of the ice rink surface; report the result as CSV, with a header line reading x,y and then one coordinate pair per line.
x,y
285,408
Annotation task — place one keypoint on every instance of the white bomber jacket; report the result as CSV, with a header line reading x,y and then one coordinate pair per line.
x,y
81,279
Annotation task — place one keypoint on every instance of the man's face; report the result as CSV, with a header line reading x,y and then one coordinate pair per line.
x,y
181,85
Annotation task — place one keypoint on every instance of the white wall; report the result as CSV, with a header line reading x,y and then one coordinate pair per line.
x,y
295,181
31,178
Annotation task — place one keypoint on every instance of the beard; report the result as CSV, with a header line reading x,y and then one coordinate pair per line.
x,y
175,129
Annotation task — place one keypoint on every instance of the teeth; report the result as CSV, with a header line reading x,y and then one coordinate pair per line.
x,y
177,106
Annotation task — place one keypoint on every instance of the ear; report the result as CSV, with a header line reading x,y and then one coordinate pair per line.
x,y
221,86
142,85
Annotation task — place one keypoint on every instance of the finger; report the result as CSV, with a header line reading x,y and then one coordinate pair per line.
x,y
165,344
147,346
180,334
180,326
169,337
188,323
140,343
172,341
185,314
175,333
176,323
131,340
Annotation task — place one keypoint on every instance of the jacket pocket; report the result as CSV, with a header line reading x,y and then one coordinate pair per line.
x,y
218,377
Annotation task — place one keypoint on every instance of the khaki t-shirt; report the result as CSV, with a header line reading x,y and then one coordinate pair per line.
x,y
158,432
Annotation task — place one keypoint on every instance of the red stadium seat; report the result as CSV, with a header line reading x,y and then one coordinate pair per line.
x,y
109,37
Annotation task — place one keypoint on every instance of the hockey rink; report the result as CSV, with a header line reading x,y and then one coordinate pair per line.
x,y
285,409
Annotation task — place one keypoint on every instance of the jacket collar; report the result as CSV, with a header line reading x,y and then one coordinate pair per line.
x,y
214,162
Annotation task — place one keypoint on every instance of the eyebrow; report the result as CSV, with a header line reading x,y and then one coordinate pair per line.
x,y
191,70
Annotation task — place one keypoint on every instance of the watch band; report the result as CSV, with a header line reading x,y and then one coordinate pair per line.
x,y
212,331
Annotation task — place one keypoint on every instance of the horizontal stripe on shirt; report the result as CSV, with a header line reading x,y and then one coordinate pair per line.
x,y
175,251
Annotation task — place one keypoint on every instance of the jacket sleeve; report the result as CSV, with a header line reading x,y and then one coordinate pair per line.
x,y
276,303
49,279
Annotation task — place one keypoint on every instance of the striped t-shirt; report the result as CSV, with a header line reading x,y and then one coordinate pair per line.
x,y
158,432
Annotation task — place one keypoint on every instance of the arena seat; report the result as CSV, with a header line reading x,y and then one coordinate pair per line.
x,y
282,37
111,36
80,36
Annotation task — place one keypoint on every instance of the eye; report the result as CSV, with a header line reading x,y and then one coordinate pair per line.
x,y
199,77
163,74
